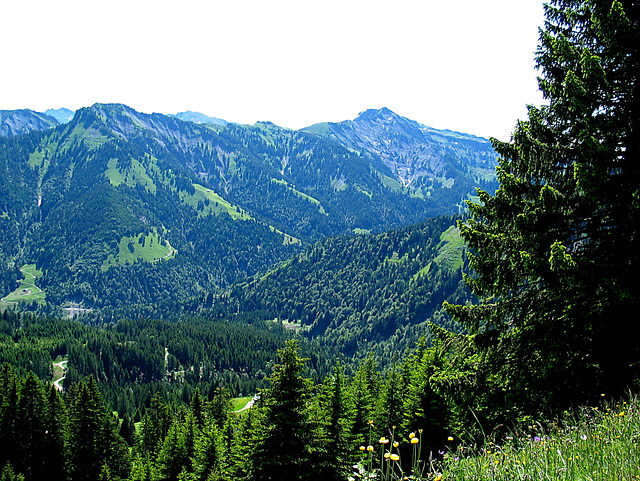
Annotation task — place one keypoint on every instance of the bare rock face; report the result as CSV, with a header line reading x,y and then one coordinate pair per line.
x,y
411,150
17,122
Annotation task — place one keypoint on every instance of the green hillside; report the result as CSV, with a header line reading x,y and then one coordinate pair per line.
x,y
362,293
186,209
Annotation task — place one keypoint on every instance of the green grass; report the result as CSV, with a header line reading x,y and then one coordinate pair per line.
x,y
391,184
238,403
450,255
314,201
135,175
593,444
149,248
58,372
27,291
451,249
446,183
212,204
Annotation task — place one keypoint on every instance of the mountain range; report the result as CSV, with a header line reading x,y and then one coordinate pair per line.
x,y
120,208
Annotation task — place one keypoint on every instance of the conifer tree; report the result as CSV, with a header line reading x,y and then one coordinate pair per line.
x,y
55,440
423,409
332,417
389,409
197,408
8,413
93,441
208,452
9,474
31,430
173,455
155,426
555,251
282,452
220,406
364,392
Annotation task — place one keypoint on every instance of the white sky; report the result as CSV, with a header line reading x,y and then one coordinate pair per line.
x,y
464,65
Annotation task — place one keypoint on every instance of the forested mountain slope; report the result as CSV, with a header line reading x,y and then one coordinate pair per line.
x,y
120,208
362,293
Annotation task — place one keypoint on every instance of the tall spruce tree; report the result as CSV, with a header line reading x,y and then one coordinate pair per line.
x,y
555,251
282,452
31,432
93,439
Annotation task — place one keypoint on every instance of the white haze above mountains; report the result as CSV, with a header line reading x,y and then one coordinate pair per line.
x,y
467,66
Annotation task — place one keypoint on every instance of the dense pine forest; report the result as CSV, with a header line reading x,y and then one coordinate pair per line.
x,y
337,342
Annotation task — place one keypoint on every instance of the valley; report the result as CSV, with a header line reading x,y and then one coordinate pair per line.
x,y
185,298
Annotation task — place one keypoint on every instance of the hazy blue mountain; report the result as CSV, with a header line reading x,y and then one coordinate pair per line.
x,y
199,118
62,115
16,122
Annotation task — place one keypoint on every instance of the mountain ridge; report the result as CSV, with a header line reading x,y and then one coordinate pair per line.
x,y
23,121
414,152
119,207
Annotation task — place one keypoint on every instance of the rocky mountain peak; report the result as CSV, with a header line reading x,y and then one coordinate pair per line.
x,y
17,122
411,150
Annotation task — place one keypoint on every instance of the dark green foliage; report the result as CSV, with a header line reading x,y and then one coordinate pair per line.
x,y
8,474
359,293
555,251
296,430
333,444
93,440
282,450
219,359
33,431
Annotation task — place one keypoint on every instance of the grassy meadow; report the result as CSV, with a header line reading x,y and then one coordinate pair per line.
x,y
27,291
594,443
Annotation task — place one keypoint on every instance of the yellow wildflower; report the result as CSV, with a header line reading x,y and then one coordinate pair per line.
x,y
395,457
414,441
